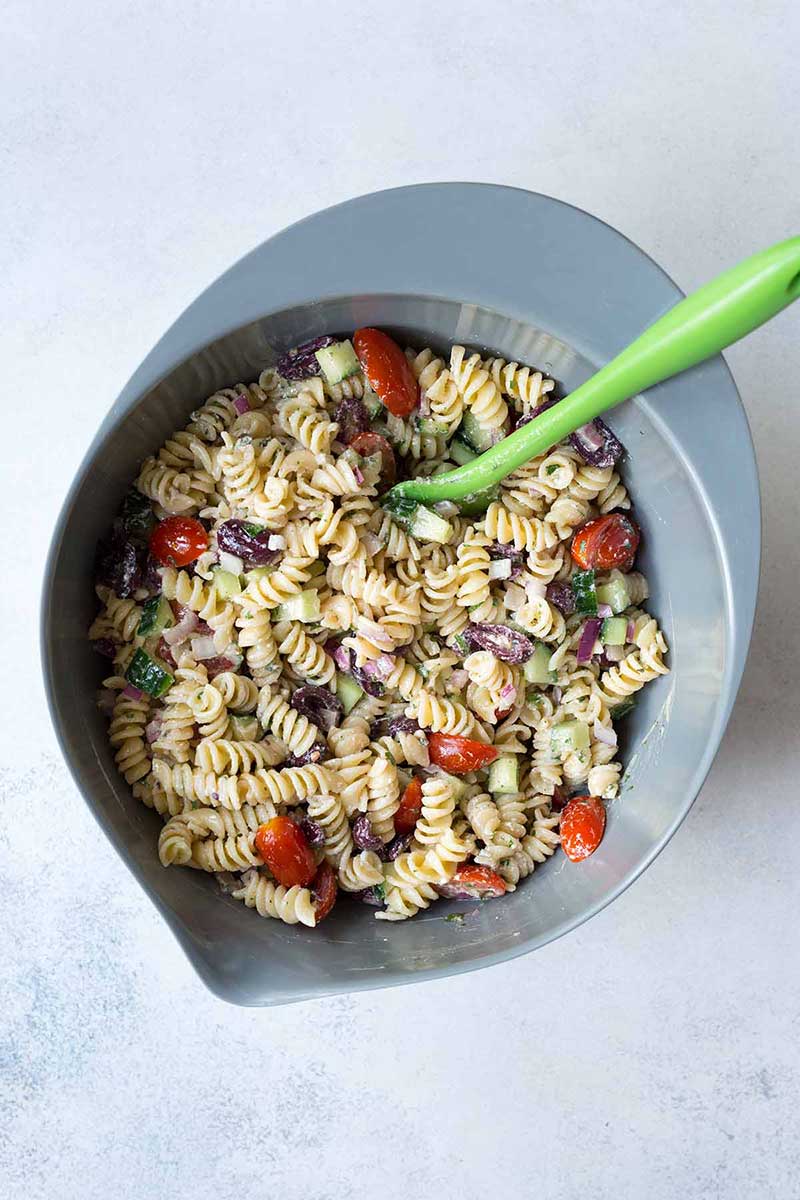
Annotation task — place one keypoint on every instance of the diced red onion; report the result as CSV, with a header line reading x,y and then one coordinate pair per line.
x,y
341,656
358,474
371,544
605,734
424,404
500,568
186,626
379,668
276,541
629,632
605,610
133,693
231,562
614,653
536,589
446,508
375,633
241,403
508,693
203,648
459,679
591,629
152,730
590,437
596,444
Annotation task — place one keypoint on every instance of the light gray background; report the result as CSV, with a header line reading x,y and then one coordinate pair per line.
x,y
145,146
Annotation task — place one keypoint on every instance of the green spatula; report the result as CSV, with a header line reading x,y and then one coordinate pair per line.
x,y
702,325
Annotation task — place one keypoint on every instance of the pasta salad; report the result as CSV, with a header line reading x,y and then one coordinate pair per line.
x,y
321,691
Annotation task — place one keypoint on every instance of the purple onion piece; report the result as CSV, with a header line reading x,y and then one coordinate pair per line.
x,y
237,537
352,419
559,799
322,709
596,444
118,563
369,896
364,836
104,646
316,753
505,644
498,550
589,635
300,361
523,420
397,846
315,834
562,597
372,686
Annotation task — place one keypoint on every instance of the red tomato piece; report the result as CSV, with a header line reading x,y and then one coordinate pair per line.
x,y
285,849
178,541
388,370
407,815
324,889
368,443
583,822
472,882
457,755
606,542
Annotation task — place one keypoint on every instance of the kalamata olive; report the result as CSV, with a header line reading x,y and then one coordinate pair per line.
x,y
246,541
322,709
364,836
151,575
388,726
373,896
315,834
596,444
497,550
352,419
118,564
371,685
397,846
104,646
316,753
523,420
300,361
559,798
219,664
505,644
136,515
562,597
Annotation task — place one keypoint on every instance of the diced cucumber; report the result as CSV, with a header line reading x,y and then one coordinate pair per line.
x,y
476,504
430,426
257,573
304,607
537,668
585,592
622,710
474,434
348,691
420,522
246,727
226,584
504,774
156,617
460,452
569,736
612,631
147,675
338,361
534,697
371,467
372,404
614,592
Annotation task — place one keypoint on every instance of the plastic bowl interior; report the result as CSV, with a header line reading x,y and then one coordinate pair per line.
x,y
534,280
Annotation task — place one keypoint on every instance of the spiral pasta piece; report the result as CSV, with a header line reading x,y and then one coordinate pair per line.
x,y
639,667
438,387
542,619
524,533
443,716
290,905
383,792
436,817
126,733
284,722
118,620
227,757
307,658
479,391
258,643
361,871
328,811
525,385
307,424
268,591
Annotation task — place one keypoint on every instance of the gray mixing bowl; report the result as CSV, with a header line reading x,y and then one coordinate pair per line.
x,y
535,280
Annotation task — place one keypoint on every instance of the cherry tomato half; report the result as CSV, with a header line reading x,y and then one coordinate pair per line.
x,y
471,882
388,370
407,815
606,542
457,755
582,824
372,443
324,889
285,849
178,541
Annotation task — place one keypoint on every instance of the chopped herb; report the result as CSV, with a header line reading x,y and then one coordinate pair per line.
x,y
380,891
552,468
457,917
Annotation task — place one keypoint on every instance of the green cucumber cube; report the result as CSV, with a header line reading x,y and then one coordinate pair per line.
x,y
338,361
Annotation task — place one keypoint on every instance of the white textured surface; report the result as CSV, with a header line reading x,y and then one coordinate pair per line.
x,y
653,1052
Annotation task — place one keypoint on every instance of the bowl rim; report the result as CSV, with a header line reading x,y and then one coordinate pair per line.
x,y
185,340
